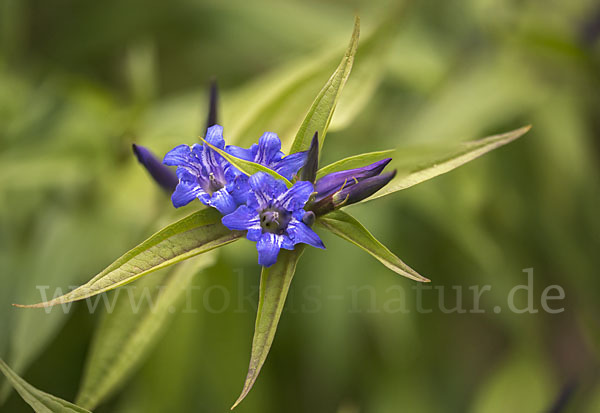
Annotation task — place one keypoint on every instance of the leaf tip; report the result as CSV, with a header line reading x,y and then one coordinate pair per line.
x,y
38,305
239,400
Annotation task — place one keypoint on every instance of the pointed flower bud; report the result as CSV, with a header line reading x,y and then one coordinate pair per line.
x,y
309,170
333,182
213,101
163,176
343,188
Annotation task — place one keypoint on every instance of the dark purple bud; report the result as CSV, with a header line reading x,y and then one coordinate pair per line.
x,y
350,194
164,176
309,218
332,182
213,102
309,170
362,190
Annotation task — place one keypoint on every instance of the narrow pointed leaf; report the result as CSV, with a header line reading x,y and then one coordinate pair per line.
x,y
347,227
321,111
126,334
355,161
247,167
446,161
199,232
274,286
39,401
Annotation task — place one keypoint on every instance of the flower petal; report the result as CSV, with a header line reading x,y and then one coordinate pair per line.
x,y
246,154
268,248
295,197
269,149
214,136
291,164
299,232
223,201
243,218
239,189
185,193
180,155
265,188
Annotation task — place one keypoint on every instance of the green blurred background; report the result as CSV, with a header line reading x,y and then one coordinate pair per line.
x,y
81,80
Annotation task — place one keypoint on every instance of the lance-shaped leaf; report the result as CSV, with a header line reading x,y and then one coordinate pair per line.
x,y
39,401
355,161
321,111
128,333
199,232
274,285
347,227
247,167
410,173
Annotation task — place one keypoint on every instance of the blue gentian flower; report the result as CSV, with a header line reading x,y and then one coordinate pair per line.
x,y
206,175
268,153
273,217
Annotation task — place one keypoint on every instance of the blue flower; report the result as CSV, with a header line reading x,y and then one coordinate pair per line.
x,y
268,153
206,175
273,217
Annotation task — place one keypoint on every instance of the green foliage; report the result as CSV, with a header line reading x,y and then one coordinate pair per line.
x,y
198,233
413,170
39,401
127,334
274,286
347,227
321,111
72,199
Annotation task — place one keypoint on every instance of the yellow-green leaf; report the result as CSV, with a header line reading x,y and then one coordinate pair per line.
x,y
347,227
321,111
413,173
199,232
126,334
274,286
39,401
246,167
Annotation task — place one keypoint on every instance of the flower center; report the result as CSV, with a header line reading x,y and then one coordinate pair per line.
x,y
212,185
274,221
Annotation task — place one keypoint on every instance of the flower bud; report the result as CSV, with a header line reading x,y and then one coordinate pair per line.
x,y
163,176
333,182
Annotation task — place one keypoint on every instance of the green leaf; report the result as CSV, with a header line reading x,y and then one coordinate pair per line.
x,y
347,227
39,401
247,167
199,232
321,111
460,154
126,334
274,285
355,161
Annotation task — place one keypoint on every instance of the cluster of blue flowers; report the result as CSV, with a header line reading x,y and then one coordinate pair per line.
x,y
273,215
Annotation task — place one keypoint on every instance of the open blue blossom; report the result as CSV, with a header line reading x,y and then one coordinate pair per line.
x,y
206,175
273,217
268,153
